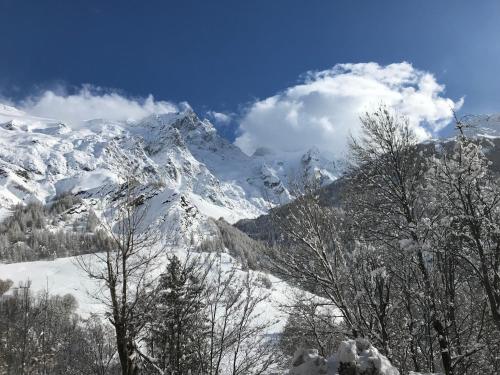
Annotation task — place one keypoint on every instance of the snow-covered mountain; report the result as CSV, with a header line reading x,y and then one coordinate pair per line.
x,y
195,173
484,125
185,171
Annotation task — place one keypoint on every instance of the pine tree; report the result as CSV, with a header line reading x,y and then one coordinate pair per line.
x,y
177,322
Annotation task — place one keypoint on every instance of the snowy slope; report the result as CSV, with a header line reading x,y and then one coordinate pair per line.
x,y
195,169
63,275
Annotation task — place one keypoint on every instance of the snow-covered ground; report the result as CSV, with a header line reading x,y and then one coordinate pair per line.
x,y
64,275
59,276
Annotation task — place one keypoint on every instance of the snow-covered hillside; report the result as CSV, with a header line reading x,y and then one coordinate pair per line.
x,y
64,275
198,173
185,171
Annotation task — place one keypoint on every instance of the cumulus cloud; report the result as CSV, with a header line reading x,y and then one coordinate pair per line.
x,y
324,109
91,103
220,118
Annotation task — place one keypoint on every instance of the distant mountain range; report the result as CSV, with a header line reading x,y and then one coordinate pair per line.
x,y
196,174
484,127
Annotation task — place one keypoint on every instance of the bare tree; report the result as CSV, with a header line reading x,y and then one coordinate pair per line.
x,y
388,172
469,195
237,343
102,353
42,334
383,258
319,254
126,270
312,322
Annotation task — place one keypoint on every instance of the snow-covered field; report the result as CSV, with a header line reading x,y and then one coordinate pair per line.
x,y
59,276
64,275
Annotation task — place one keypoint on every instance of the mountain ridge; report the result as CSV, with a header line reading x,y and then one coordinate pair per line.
x,y
194,169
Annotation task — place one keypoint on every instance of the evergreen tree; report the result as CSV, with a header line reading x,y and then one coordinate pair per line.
x,y
177,322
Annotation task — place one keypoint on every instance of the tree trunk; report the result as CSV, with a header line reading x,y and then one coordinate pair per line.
x,y
443,346
125,352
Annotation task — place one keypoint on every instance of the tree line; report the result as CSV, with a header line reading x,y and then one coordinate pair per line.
x,y
409,260
41,333
35,231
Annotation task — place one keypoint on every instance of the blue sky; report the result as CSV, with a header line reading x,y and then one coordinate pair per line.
x,y
224,55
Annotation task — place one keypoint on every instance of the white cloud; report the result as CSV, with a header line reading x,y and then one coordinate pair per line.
x,y
220,118
92,103
324,109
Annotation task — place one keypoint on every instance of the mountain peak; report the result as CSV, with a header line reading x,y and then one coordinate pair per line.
x,y
178,150
10,111
311,155
185,121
